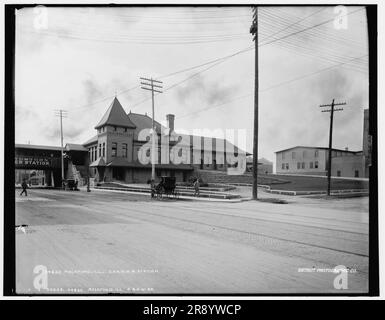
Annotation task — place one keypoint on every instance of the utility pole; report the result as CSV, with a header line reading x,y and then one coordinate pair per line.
x,y
254,31
62,114
149,85
331,110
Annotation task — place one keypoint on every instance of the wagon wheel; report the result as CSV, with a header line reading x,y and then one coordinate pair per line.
x,y
160,193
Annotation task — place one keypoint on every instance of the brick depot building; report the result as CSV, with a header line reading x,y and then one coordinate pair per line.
x,y
114,154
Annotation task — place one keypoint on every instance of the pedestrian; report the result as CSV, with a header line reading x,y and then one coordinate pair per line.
x,y
196,187
24,186
152,182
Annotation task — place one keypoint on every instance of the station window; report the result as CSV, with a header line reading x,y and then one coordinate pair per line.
x,y
104,149
100,150
356,173
114,149
316,164
95,152
125,150
283,166
287,166
338,173
311,165
303,165
316,153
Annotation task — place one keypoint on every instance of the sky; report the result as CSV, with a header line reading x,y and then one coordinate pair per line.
x,y
78,59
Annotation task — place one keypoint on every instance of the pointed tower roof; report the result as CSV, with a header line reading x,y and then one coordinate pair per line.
x,y
116,116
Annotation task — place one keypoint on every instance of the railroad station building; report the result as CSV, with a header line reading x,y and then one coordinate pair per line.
x,y
115,152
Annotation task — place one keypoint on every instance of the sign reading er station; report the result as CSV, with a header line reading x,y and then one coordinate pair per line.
x,y
33,161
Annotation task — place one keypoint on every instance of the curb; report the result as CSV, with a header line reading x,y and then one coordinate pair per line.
x,y
233,198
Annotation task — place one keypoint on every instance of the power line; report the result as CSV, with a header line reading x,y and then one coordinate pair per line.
x,y
308,28
143,42
340,41
271,87
272,41
216,106
295,23
180,82
169,75
308,54
309,74
229,56
280,18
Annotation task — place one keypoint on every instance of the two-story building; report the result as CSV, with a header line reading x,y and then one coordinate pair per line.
x,y
314,161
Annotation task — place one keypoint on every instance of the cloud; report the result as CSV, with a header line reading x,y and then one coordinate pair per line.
x,y
92,90
205,91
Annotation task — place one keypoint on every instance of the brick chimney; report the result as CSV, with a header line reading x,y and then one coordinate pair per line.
x,y
170,121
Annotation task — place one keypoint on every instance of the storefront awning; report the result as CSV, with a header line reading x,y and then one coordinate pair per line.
x,y
98,163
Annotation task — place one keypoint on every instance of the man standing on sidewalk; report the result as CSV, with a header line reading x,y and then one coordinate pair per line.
x,y
196,187
24,186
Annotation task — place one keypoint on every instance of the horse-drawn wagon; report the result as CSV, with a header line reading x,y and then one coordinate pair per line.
x,y
166,188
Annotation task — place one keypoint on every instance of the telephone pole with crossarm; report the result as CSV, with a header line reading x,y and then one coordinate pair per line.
x,y
331,110
254,31
153,86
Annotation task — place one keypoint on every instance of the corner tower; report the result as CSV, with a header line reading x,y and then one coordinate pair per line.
x,y
115,134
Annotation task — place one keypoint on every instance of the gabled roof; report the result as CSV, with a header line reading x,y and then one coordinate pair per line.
x,y
249,159
115,116
209,143
143,121
93,140
98,163
75,147
33,146
319,148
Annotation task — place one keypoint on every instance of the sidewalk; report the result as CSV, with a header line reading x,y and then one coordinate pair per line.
x,y
146,192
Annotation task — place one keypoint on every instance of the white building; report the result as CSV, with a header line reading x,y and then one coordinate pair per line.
x,y
314,161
